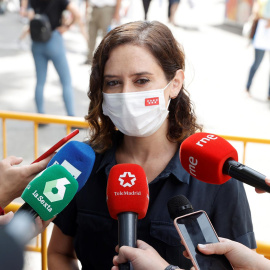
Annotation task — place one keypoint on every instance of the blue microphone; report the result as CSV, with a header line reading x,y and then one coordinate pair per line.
x,y
76,157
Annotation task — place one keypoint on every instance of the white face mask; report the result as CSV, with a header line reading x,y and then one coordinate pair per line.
x,y
138,114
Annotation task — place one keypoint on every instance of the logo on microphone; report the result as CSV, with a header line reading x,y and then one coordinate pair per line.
x,y
69,167
152,101
55,190
127,179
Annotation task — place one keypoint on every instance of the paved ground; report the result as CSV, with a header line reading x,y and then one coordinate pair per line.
x,y
218,60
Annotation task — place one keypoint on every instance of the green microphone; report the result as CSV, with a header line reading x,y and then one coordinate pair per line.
x,y
49,193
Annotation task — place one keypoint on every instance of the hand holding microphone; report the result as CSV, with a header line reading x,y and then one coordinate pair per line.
x,y
127,200
67,172
45,196
13,180
144,257
212,159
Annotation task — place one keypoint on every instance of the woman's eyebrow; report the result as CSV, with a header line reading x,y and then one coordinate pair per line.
x,y
133,74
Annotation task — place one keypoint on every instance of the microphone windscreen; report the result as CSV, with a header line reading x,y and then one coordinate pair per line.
x,y
78,158
203,156
127,190
179,206
50,191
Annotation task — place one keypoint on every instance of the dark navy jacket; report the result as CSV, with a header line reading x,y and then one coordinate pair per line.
x,y
95,233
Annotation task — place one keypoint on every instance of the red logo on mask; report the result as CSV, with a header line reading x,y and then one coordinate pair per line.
x,y
151,101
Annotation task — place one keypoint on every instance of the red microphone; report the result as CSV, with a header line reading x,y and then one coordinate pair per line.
x,y
127,200
212,159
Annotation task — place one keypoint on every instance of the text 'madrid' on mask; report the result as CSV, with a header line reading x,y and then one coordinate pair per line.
x,y
138,114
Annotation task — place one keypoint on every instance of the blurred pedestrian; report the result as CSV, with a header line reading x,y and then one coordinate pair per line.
x,y
146,4
102,13
54,49
261,11
172,8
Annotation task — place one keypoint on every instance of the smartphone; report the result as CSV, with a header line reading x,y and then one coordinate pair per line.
x,y
196,228
57,146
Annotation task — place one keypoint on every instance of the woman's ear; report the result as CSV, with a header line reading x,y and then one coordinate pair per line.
x,y
177,83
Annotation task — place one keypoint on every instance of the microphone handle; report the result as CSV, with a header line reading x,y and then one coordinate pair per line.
x,y
27,208
11,252
245,174
127,233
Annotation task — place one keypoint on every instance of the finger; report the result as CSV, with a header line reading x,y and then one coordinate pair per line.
x,y
259,191
35,168
216,248
185,254
115,260
12,160
142,245
126,254
117,248
43,163
267,180
6,218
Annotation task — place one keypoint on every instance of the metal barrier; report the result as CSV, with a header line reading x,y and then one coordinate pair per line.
x,y
263,248
41,246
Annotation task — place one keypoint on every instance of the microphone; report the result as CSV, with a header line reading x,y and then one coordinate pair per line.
x,y
49,193
13,237
78,158
195,228
212,159
179,206
127,200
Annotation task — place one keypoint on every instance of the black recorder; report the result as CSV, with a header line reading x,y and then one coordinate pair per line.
x,y
195,228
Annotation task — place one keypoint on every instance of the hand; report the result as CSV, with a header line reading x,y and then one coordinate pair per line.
x,y
41,225
267,181
13,180
142,258
240,256
6,218
62,29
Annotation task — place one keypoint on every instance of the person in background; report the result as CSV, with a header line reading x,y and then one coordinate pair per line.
x,y
102,13
140,113
172,8
54,50
146,4
260,10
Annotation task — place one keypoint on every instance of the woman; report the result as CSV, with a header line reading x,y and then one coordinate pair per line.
x,y
54,50
135,63
261,11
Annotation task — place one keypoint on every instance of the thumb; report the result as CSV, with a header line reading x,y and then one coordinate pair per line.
x,y
220,248
142,245
12,160
126,254
6,218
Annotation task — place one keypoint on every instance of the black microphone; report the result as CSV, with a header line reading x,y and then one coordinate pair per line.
x,y
179,206
14,236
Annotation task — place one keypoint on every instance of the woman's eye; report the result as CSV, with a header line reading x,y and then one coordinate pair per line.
x,y
111,83
142,81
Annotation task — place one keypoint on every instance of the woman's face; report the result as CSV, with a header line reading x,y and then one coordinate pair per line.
x,y
133,68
